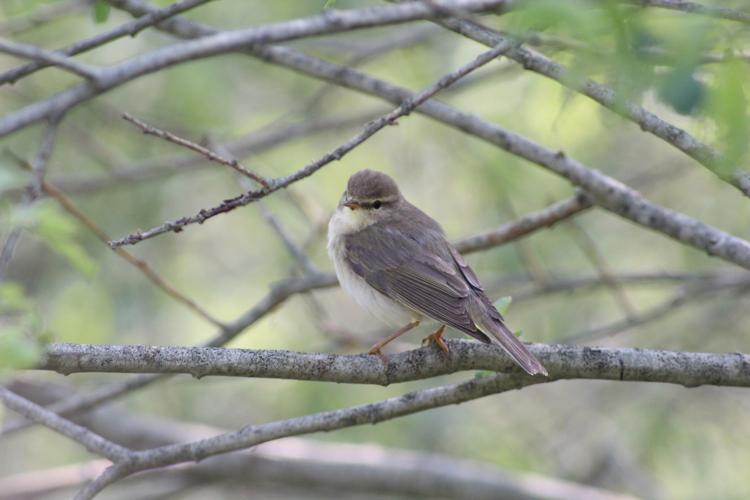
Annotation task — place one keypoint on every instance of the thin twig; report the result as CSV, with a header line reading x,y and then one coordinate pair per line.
x,y
212,156
407,105
296,251
139,264
686,295
38,168
35,53
93,442
261,140
599,262
716,11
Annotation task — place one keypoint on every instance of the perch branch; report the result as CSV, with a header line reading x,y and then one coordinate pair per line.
x,y
562,362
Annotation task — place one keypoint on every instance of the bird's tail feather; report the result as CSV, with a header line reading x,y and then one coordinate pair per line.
x,y
497,330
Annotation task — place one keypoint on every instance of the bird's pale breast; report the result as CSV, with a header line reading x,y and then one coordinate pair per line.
x,y
380,306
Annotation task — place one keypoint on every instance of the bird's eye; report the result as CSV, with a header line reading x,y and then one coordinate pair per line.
x,y
377,204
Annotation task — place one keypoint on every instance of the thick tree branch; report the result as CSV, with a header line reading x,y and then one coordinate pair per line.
x,y
562,362
607,97
276,296
131,28
231,41
688,369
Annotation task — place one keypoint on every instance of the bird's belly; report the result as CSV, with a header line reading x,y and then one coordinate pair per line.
x,y
377,304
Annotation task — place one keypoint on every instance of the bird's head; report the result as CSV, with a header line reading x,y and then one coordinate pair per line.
x,y
370,191
370,197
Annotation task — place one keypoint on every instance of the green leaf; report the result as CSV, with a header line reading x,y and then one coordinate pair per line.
x,y
13,298
572,17
483,374
503,304
680,89
101,11
59,233
729,109
17,351
329,4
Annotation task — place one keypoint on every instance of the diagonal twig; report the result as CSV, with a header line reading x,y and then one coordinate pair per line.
x,y
92,442
38,169
716,11
407,105
35,53
599,262
211,155
139,264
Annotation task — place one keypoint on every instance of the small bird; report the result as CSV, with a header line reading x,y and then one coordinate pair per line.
x,y
397,263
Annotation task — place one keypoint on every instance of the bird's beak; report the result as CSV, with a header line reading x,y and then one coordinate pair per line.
x,y
351,204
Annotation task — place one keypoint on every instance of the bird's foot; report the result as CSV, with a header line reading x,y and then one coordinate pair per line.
x,y
437,338
375,351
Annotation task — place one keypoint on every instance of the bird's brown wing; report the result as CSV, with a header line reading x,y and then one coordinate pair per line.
x,y
425,273
418,271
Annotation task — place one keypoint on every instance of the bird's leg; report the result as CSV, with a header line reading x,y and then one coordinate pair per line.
x,y
376,348
436,337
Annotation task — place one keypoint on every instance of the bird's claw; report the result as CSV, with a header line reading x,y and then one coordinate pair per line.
x,y
436,338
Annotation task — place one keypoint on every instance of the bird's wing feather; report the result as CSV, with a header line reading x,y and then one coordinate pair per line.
x,y
418,271
425,273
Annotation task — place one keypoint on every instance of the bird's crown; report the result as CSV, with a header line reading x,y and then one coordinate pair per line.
x,y
371,185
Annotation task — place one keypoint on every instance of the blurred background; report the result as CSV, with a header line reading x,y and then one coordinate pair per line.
x,y
594,278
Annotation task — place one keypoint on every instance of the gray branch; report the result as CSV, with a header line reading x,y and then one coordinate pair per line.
x,y
131,28
50,59
607,97
92,442
562,361
305,463
716,11
231,41
688,369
